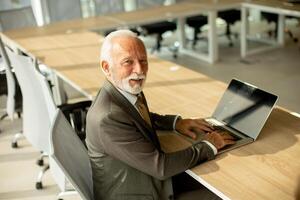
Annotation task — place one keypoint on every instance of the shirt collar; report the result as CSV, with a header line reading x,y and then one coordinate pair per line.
x,y
130,97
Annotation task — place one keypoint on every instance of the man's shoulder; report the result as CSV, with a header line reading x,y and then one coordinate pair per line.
x,y
104,107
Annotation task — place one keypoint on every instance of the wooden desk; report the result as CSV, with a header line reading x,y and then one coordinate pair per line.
x,y
78,25
265,169
59,41
179,12
172,12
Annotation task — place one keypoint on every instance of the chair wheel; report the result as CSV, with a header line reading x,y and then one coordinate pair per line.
x,y
40,162
38,185
14,145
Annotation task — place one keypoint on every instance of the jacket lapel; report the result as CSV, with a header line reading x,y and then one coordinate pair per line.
x,y
119,99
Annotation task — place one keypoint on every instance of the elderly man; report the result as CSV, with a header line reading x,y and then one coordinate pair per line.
x,y
126,157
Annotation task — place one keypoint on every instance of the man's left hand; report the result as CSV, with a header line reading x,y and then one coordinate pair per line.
x,y
190,127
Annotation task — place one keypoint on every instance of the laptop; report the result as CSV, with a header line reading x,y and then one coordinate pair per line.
x,y
241,112
293,1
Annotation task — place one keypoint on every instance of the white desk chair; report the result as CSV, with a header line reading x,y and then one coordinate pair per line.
x,y
76,166
38,113
11,83
14,98
17,18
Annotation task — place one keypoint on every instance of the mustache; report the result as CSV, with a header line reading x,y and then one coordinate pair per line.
x,y
136,76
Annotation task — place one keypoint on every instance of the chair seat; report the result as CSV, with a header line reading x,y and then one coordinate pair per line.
x,y
230,16
159,27
196,21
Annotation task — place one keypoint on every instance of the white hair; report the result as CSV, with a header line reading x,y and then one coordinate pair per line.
x,y
105,53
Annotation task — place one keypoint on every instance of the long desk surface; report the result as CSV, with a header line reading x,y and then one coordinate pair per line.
x,y
265,169
176,11
136,17
276,6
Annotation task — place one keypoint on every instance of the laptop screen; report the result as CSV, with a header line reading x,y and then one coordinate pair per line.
x,y
245,108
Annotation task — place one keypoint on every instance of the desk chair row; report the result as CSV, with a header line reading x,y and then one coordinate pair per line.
x,y
273,18
39,111
229,16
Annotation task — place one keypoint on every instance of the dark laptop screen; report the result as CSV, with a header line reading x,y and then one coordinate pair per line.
x,y
245,108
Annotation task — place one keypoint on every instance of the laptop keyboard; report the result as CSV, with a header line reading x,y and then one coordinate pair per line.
x,y
222,129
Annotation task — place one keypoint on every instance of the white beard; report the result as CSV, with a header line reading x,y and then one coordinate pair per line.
x,y
124,85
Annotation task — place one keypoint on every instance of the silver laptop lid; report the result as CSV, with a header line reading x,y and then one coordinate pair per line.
x,y
245,108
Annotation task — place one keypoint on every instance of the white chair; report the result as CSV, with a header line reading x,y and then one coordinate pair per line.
x,y
17,18
38,106
76,166
11,83
14,97
38,113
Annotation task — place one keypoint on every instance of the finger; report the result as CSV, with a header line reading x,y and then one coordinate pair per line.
x,y
226,136
190,133
228,142
202,122
203,127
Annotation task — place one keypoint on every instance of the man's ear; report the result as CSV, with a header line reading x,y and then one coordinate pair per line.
x,y
105,67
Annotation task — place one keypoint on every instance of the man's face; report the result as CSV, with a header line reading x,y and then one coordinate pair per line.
x,y
129,64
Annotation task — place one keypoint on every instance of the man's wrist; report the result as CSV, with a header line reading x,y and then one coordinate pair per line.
x,y
215,150
177,117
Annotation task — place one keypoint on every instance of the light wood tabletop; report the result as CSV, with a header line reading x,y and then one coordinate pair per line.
x,y
265,169
70,26
282,5
60,41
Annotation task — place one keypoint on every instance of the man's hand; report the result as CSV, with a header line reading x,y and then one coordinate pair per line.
x,y
219,139
190,127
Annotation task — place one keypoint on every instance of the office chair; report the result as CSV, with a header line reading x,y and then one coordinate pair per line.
x,y
158,29
271,17
75,166
230,17
14,96
196,22
17,18
39,108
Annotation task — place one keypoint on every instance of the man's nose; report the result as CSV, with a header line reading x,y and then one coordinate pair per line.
x,y
138,68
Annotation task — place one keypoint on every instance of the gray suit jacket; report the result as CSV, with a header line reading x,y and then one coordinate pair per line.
x,y
126,157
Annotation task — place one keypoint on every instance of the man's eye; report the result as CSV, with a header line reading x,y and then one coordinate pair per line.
x,y
128,62
144,62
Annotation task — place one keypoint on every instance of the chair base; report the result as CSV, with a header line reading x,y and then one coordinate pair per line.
x,y
66,193
38,184
17,136
40,161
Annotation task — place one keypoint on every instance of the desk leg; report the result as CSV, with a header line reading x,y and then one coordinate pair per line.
x,y
181,32
280,33
212,37
244,28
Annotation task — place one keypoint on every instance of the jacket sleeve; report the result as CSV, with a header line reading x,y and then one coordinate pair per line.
x,y
122,140
163,122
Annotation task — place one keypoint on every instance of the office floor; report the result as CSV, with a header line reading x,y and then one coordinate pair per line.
x,y
277,71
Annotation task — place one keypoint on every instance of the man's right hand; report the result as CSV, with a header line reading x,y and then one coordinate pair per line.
x,y
219,139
